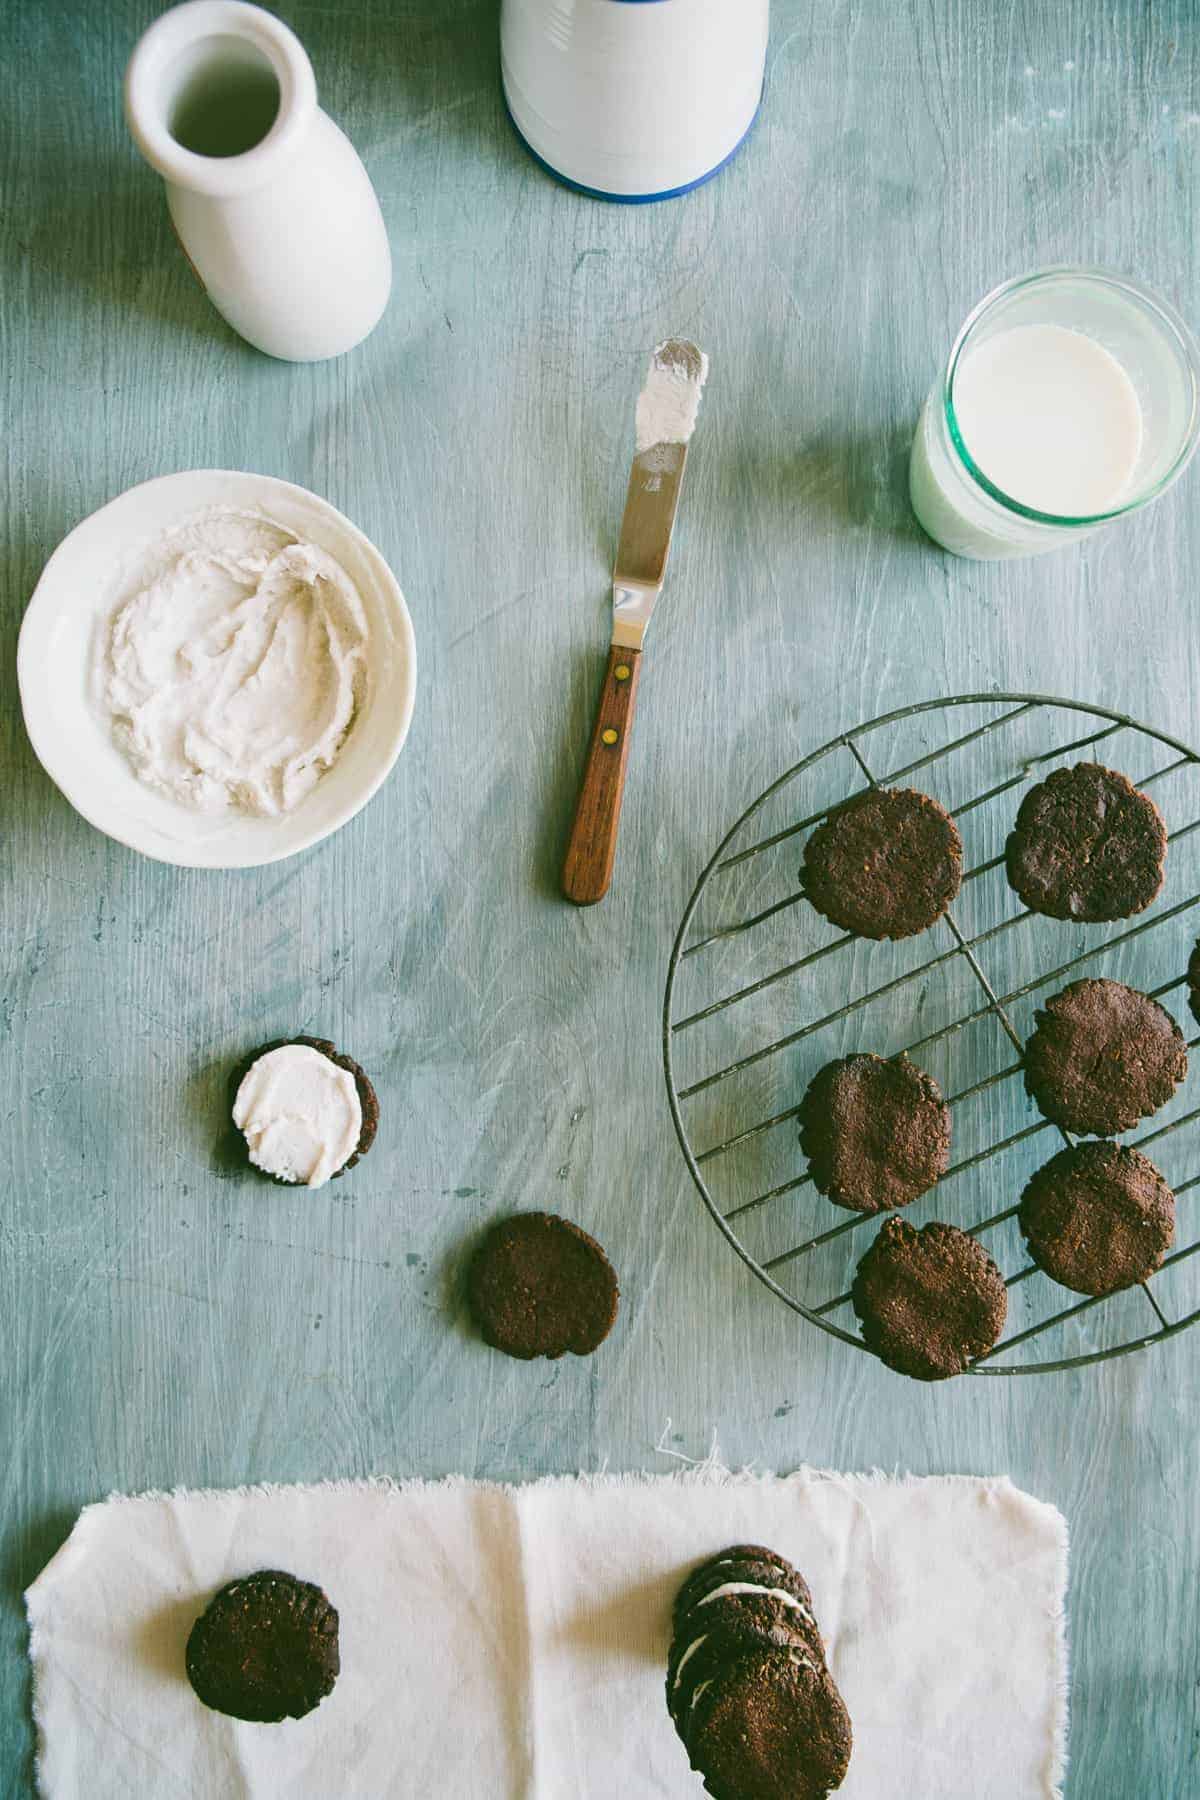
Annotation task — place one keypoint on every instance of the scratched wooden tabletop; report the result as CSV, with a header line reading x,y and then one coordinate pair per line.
x,y
168,1318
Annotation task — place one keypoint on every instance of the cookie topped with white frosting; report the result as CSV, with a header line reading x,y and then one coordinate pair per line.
x,y
306,1112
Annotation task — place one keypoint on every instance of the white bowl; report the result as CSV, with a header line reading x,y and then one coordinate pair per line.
x,y
71,735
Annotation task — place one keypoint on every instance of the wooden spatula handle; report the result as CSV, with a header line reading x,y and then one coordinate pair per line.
x,y
592,850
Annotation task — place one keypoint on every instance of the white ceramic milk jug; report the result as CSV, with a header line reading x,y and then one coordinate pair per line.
x,y
269,199
633,99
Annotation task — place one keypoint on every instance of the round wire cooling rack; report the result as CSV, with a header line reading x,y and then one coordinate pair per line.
x,y
761,991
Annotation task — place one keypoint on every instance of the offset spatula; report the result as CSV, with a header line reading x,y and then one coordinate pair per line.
x,y
666,416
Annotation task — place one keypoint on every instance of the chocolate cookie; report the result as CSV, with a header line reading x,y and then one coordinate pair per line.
x,y
885,865
265,1648
1087,845
539,1286
1098,1217
876,1134
1193,981
772,1724
1103,1056
929,1301
736,1556
280,1161
708,1586
718,1633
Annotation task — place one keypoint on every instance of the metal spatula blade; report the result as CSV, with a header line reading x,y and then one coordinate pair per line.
x,y
666,417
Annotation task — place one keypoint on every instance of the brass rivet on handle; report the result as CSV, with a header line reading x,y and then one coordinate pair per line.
x,y
609,737
622,672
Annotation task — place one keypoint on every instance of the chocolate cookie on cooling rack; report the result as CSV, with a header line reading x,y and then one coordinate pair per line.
x,y
885,865
1098,1218
1103,1057
929,1301
876,1133
1087,845
1193,981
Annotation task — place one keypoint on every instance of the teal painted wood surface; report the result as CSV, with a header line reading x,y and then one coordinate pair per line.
x,y
167,1319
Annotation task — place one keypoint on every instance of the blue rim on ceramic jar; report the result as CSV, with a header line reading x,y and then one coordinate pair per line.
x,y
633,100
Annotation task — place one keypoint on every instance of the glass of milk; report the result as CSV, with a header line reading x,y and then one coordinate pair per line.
x,y
1071,397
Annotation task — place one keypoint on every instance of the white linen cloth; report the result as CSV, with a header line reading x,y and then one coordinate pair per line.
x,y
511,1643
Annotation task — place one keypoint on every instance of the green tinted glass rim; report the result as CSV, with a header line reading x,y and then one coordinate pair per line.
x,y
1174,327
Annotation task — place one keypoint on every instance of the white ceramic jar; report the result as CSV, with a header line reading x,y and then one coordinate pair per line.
x,y
270,201
633,99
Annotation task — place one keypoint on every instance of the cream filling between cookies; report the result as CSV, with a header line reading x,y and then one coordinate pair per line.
x,y
300,1115
753,1587
686,1657
794,1657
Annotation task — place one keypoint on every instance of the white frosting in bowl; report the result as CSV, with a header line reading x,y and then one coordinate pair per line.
x,y
300,1115
235,664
